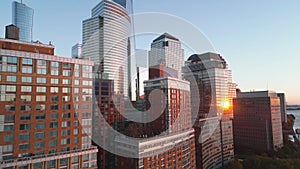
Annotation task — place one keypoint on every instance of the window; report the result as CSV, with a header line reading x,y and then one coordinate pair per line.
x,y
76,82
40,107
52,163
26,69
76,74
66,115
11,78
54,107
25,107
65,124
76,90
8,138
53,116
66,107
41,71
9,127
67,65
87,68
10,107
40,89
41,80
66,81
26,79
65,98
66,73
75,131
77,67
41,63
54,72
54,81
66,90
40,117
24,136
25,117
24,126
53,125
26,98
12,59
75,140
54,99
65,132
11,68
26,89
53,134
39,126
26,61
65,141
24,146
8,97
40,98
54,89
52,143
86,91
39,144
87,83
54,64
8,88
75,123
39,135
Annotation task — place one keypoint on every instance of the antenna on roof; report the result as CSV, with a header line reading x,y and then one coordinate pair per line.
x,y
21,1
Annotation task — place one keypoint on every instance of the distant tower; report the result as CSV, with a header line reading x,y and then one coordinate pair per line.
x,y
22,17
76,51
166,49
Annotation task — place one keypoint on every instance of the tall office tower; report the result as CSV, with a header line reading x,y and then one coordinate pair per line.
x,y
46,114
282,107
77,51
211,102
106,42
257,119
168,137
166,49
22,17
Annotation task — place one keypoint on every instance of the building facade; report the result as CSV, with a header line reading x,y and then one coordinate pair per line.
x,y
22,17
167,140
211,107
257,119
46,100
166,49
282,107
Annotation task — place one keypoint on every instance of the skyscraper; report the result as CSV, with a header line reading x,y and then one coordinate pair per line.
x,y
257,119
166,49
22,17
77,51
211,104
106,42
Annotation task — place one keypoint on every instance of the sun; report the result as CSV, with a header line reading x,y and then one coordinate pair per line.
x,y
225,105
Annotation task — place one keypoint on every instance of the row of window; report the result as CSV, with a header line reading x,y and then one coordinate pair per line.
x,y
43,63
24,127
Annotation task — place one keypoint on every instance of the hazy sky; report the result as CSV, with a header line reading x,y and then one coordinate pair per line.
x,y
260,40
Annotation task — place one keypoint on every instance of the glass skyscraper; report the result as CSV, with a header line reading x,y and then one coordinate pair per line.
x,y
22,17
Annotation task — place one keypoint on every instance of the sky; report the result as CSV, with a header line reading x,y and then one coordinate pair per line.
x,y
260,40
